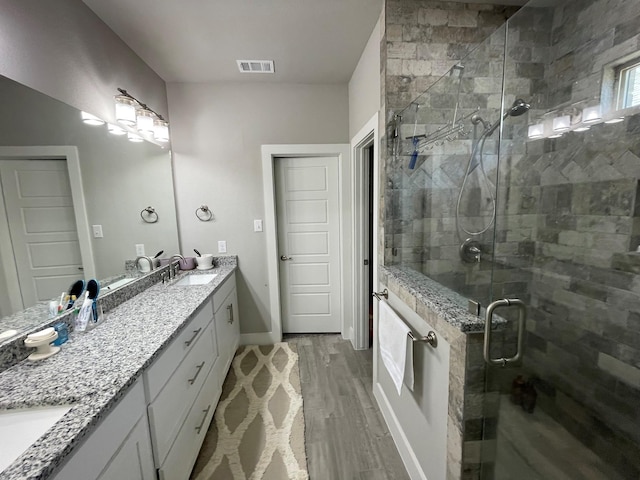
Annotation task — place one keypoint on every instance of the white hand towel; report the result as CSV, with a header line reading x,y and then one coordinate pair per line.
x,y
396,348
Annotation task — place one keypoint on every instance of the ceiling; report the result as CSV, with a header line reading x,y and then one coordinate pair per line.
x,y
311,41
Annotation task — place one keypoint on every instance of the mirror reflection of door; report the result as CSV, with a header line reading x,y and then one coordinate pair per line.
x,y
40,216
308,219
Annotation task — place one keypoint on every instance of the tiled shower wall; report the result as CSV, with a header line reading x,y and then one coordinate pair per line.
x,y
583,340
569,214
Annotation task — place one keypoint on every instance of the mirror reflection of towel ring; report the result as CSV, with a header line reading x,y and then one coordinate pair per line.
x,y
149,215
203,213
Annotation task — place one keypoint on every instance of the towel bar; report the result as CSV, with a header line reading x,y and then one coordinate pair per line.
x,y
431,338
384,293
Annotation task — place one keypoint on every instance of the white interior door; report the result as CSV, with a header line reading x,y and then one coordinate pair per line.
x,y
308,218
42,226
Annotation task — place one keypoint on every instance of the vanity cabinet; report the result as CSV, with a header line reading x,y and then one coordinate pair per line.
x,y
185,383
170,407
115,450
182,394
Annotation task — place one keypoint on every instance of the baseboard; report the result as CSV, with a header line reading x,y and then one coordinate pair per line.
x,y
397,433
263,338
350,337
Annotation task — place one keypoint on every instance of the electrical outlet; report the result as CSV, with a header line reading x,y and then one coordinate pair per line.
x,y
97,231
222,246
257,225
139,249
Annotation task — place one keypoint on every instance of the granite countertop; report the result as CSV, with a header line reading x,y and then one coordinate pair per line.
x,y
94,370
451,306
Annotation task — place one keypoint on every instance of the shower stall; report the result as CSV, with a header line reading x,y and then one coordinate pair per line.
x,y
516,176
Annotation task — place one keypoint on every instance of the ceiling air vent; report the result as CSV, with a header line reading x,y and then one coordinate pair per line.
x,y
255,66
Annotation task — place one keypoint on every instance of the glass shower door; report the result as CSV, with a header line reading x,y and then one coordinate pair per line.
x,y
567,226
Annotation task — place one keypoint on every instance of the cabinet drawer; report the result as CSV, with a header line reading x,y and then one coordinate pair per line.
x,y
183,453
224,290
162,369
169,409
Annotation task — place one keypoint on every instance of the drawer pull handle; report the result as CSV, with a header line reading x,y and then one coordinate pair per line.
x,y
199,367
206,412
195,334
230,312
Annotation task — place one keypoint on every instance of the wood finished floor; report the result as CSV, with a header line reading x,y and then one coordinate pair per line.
x,y
346,436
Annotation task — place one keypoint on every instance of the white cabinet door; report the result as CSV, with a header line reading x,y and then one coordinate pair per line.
x,y
227,332
134,459
124,428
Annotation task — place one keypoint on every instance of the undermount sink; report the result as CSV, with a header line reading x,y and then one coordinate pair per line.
x,y
20,428
196,279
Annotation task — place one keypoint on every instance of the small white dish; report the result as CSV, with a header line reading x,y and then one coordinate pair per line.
x,y
42,334
43,347
204,267
36,356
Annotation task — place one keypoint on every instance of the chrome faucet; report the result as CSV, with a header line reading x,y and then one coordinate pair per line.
x,y
171,266
148,259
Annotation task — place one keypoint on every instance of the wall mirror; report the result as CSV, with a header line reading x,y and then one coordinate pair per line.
x,y
47,235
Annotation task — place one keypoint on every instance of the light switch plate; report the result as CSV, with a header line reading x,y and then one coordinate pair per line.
x,y
222,246
257,225
139,249
97,231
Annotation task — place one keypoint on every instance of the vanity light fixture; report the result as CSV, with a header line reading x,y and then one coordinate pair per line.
x,y
561,124
592,114
536,131
133,113
115,129
91,119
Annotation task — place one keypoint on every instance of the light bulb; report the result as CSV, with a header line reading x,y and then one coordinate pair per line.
x,y
561,124
536,131
160,130
591,114
144,121
125,110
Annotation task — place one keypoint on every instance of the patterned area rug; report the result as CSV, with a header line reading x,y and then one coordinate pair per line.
x,y
258,429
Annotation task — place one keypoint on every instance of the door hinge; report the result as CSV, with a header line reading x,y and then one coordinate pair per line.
x,y
366,262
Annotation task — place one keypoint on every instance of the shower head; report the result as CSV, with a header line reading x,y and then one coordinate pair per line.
x,y
519,107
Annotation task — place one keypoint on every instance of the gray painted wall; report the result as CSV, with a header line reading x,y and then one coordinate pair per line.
x,y
218,130
64,50
364,86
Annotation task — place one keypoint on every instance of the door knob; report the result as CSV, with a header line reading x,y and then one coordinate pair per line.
x,y
285,258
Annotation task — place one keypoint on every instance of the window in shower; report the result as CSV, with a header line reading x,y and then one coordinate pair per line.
x,y
628,84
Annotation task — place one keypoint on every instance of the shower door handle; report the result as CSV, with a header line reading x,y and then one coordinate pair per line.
x,y
522,318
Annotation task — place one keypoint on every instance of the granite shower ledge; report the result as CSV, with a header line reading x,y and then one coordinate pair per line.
x,y
94,370
431,299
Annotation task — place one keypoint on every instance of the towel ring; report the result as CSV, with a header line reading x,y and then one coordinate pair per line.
x,y
203,213
149,215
